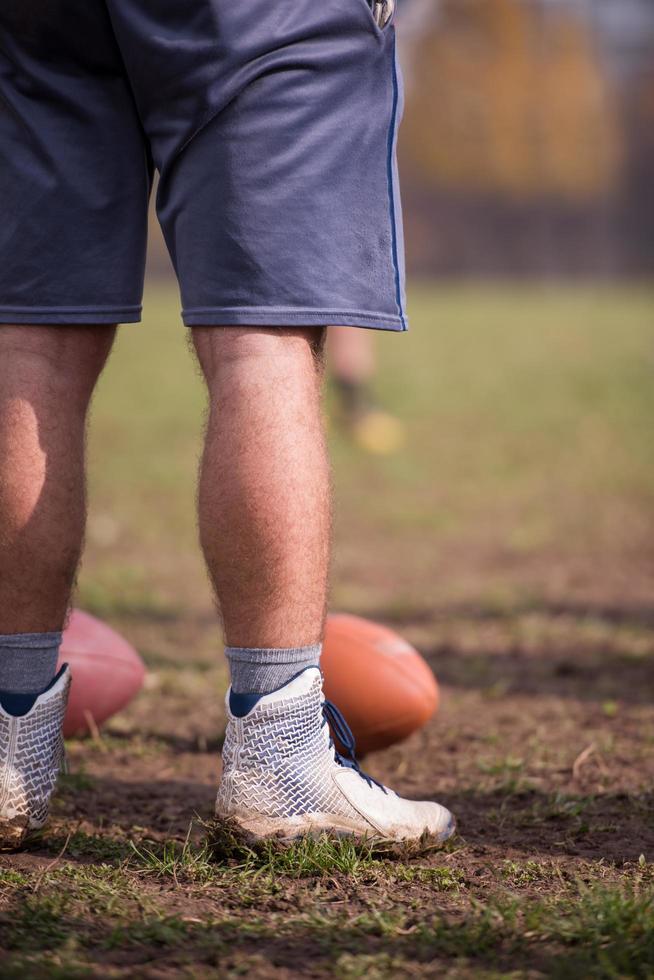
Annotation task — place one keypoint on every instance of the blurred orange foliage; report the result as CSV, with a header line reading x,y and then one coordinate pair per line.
x,y
512,100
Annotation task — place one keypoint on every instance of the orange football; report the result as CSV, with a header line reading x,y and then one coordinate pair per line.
x,y
383,686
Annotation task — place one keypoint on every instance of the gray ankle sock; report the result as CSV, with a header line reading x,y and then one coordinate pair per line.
x,y
28,661
261,671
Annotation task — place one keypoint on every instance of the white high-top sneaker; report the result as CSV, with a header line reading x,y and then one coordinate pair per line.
x,y
31,755
282,776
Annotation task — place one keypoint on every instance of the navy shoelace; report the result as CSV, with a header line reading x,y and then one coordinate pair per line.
x,y
340,728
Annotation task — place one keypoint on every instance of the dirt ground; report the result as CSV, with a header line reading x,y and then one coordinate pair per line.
x,y
543,746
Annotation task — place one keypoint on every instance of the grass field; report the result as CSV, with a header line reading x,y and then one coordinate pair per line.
x,y
512,541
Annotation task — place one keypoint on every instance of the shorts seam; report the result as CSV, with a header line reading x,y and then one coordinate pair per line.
x,y
288,310
63,315
197,316
70,309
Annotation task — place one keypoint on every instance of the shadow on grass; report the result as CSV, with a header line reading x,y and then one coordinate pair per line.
x,y
614,827
586,675
640,615
161,808
576,651
617,827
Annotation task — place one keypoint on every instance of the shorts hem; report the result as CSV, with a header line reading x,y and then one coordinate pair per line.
x,y
292,316
62,316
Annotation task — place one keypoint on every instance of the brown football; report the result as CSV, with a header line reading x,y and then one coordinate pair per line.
x,y
383,687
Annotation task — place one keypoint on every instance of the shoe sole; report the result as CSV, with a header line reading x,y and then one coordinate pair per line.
x,y
15,833
234,833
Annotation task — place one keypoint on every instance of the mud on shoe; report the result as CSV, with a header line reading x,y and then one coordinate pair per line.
x,y
283,778
31,756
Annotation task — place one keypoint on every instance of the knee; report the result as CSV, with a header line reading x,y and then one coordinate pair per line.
x,y
223,349
53,359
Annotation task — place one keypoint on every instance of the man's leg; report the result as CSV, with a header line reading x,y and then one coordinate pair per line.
x,y
264,497
264,523
47,376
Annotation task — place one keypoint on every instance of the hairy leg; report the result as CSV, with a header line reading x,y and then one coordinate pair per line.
x,y
47,376
264,493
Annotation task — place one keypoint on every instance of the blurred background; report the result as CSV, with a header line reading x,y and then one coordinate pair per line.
x,y
528,145
528,139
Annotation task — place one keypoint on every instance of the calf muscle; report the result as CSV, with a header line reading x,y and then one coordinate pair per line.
x,y
47,375
264,496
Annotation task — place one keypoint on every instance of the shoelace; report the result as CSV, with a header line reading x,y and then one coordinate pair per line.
x,y
338,725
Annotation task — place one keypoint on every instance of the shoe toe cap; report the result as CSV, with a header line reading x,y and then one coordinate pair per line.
x,y
438,821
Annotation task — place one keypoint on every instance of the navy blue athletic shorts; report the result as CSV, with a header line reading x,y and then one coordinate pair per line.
x,y
272,124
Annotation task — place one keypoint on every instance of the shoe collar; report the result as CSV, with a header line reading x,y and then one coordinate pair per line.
x,y
19,705
240,705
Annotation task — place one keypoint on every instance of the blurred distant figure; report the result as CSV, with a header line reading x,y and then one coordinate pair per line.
x,y
352,352
352,361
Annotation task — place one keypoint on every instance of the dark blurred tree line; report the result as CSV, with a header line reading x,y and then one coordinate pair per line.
x,y
521,151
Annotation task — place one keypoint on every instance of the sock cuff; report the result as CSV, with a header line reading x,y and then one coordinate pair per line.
x,y
30,641
273,655
28,661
